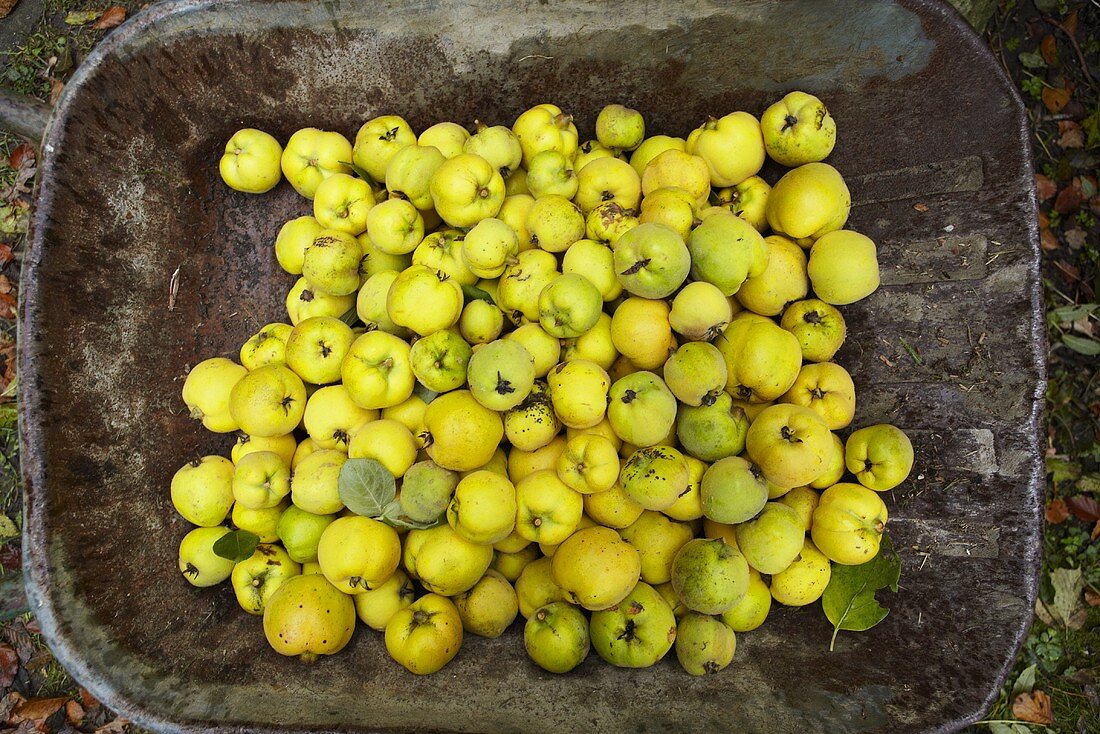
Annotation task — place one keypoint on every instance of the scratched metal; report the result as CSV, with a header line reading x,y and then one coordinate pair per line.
x,y
950,347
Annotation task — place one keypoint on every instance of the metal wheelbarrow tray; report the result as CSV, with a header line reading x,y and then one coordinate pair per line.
x,y
932,139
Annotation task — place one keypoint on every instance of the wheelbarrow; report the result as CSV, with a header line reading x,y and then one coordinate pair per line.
x,y
141,263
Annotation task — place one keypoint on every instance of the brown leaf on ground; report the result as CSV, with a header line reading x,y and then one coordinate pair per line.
x,y
1033,707
36,709
7,298
86,698
1092,598
111,18
1096,530
1049,49
6,255
118,726
1084,508
1056,511
9,665
922,208
1069,198
1070,23
6,6
32,626
57,87
21,154
17,636
1047,240
1056,98
1070,134
1044,187
8,704
74,712
41,659
1078,619
11,558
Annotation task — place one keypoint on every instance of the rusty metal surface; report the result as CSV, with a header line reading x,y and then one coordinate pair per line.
x,y
951,347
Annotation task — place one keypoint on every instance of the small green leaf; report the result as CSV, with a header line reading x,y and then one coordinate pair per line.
x,y
394,515
236,546
350,317
366,487
473,293
1025,683
1032,86
81,17
1081,345
1091,126
1032,60
424,393
849,599
1089,483
7,529
1067,314
997,727
1061,470
360,172
913,353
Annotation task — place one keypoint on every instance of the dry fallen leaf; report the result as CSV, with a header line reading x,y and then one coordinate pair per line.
x,y
9,665
6,6
1056,98
1044,187
74,712
111,18
1096,530
56,88
922,208
1070,23
1049,49
1069,198
1092,598
118,726
11,557
1047,240
21,154
36,709
1056,511
1084,508
1075,238
86,698
8,308
8,704
1070,134
1068,585
1033,707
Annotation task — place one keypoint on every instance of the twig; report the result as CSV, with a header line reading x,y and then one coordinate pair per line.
x,y
173,289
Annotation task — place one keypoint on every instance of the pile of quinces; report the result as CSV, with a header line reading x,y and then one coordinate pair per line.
x,y
598,395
